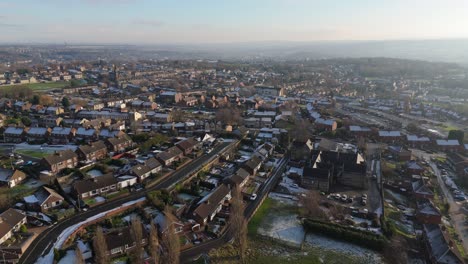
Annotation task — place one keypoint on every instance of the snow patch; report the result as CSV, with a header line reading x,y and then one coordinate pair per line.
x,y
49,257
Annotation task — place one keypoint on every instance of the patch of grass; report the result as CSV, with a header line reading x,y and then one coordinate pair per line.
x,y
256,220
454,235
447,128
39,154
40,86
90,201
117,194
261,251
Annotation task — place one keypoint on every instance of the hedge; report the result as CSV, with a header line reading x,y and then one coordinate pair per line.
x,y
359,237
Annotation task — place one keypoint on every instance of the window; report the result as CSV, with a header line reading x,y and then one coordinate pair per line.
x,y
115,251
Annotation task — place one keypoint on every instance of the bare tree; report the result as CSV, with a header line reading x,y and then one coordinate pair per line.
x,y
100,247
396,251
79,259
154,244
137,236
311,203
229,116
238,224
170,241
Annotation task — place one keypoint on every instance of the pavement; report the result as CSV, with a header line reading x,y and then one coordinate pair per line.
x,y
45,240
457,215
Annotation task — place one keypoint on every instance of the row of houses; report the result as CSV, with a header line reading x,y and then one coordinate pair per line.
x,y
86,153
211,204
105,184
57,135
395,136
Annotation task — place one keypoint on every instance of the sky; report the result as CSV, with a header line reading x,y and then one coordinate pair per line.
x,y
229,21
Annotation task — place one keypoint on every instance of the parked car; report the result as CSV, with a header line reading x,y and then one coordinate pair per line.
x,y
36,223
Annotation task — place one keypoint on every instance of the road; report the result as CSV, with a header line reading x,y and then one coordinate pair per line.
x,y
45,240
457,216
188,255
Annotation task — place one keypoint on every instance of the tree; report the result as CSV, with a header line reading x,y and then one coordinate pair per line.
x,y
457,134
170,241
137,235
312,207
100,247
399,245
238,224
154,243
26,121
229,116
65,102
45,100
35,99
79,259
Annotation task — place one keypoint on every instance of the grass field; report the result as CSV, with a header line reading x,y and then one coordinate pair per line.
x,y
40,86
255,221
39,154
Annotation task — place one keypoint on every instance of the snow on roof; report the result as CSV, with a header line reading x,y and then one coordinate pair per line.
x,y
389,133
416,138
359,128
450,142
31,199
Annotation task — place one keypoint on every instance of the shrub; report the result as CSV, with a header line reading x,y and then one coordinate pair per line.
x,y
23,229
360,237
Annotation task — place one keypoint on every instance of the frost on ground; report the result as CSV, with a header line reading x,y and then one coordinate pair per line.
x,y
49,257
288,228
336,245
69,258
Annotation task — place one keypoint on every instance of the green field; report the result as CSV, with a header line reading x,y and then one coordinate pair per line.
x,y
40,86
39,154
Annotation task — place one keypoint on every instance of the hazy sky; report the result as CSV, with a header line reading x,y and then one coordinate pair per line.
x,y
200,21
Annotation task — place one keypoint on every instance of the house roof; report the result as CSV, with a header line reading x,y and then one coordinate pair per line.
x,y
152,163
14,130
61,131
253,163
140,170
45,193
85,132
117,141
389,133
208,205
88,185
7,175
60,156
169,154
93,147
318,173
450,142
359,129
187,143
37,131
121,237
439,245
417,139
8,220
328,122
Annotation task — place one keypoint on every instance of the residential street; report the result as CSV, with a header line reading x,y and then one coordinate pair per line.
x,y
45,240
456,212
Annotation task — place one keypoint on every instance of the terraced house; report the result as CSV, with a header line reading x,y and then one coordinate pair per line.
x,y
92,152
60,160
